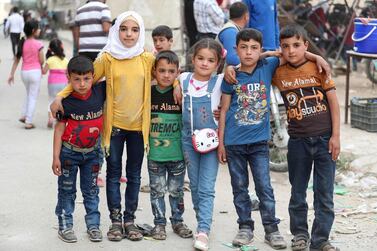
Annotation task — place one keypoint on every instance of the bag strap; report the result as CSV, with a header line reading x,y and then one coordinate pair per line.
x,y
191,117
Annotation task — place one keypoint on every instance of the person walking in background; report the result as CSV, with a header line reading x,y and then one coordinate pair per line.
x,y
31,52
264,17
209,18
190,23
56,65
92,24
15,25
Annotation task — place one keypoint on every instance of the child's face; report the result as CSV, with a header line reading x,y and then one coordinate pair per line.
x,y
205,62
249,52
129,33
293,49
81,84
165,73
161,43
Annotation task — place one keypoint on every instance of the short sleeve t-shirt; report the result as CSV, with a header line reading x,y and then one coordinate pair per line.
x,y
30,54
166,121
248,118
57,70
83,117
303,90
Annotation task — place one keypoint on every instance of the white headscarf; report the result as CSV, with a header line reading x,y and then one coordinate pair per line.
x,y
115,47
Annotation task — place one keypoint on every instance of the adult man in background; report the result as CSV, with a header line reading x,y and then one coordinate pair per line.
x,y
264,17
92,24
15,25
209,18
239,18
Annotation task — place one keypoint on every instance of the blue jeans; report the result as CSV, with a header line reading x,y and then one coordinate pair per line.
x,y
202,172
175,171
302,152
89,164
257,156
135,153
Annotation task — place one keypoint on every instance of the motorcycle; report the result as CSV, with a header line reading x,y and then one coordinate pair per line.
x,y
279,133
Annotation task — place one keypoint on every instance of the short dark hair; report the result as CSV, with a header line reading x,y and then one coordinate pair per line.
x,y
237,10
80,65
293,30
163,31
170,56
15,9
249,33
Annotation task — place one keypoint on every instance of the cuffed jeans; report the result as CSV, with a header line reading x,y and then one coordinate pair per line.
x,y
175,171
89,164
302,152
257,156
202,172
135,153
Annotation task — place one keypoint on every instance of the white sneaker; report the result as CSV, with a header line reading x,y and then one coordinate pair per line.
x,y
201,241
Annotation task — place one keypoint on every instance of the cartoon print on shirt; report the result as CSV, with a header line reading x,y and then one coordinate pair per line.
x,y
252,103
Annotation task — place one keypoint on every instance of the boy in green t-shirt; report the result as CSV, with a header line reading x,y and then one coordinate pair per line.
x,y
166,167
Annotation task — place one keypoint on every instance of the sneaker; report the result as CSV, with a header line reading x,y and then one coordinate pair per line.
x,y
67,235
123,179
244,237
95,234
100,182
275,240
201,241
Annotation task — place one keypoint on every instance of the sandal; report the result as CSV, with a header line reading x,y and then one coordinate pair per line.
x,y
29,126
22,120
132,232
300,242
326,246
182,230
115,232
159,232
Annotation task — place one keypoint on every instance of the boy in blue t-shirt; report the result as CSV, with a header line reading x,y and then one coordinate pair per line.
x,y
244,134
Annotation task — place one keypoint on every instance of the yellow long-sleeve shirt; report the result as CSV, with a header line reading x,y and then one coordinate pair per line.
x,y
128,89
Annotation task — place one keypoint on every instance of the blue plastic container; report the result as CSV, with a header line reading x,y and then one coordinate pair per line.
x,y
365,36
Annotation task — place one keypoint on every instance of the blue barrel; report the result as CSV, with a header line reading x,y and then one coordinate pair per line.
x,y
365,36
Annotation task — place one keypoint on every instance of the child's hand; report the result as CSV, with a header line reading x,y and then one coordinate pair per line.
x,y
11,80
221,154
56,167
216,113
230,75
56,106
177,94
323,65
334,147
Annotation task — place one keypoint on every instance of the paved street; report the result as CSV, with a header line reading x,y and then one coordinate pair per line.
x,y
28,187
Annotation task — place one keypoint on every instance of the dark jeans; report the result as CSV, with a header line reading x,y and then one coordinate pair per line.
x,y
14,39
135,153
257,156
89,164
302,152
175,171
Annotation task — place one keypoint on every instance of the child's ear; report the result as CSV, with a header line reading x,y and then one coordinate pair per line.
x,y
306,43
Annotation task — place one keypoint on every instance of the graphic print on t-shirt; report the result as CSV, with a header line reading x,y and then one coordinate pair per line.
x,y
252,103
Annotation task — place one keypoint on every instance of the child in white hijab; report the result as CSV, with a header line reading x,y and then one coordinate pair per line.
x,y
127,69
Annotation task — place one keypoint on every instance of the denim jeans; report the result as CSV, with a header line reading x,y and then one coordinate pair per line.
x,y
302,152
175,171
257,156
202,172
135,153
89,164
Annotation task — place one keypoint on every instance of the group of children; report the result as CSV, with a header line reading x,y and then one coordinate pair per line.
x,y
147,117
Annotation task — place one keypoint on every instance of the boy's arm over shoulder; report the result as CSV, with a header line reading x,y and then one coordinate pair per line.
x,y
272,63
227,88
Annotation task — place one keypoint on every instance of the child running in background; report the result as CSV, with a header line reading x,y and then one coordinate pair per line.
x,y
76,146
203,90
313,126
56,65
127,69
31,52
166,167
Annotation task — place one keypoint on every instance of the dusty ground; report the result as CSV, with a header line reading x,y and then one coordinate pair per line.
x,y
28,187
